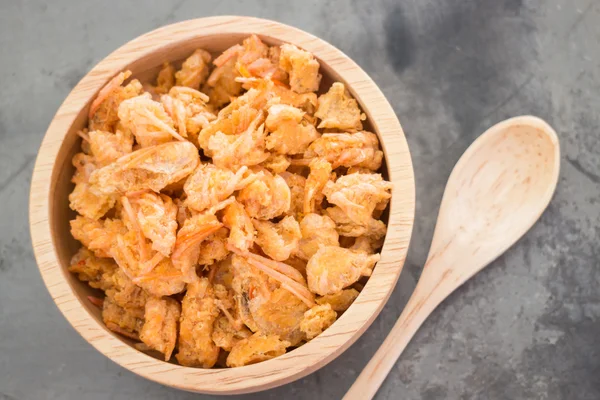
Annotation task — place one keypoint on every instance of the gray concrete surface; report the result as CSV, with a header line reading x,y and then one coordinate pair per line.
x,y
526,328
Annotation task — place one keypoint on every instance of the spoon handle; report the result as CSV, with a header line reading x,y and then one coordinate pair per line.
x,y
420,305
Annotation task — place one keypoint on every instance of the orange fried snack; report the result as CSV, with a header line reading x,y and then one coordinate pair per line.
x,y
278,240
290,133
150,168
359,195
317,319
256,348
332,269
159,331
302,68
360,149
266,197
194,70
198,314
121,320
103,110
317,231
337,110
97,272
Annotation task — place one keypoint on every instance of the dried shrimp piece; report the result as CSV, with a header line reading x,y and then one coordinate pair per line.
x,y
149,168
256,348
214,247
198,314
317,231
233,123
241,229
126,294
254,59
189,238
121,320
360,150
278,240
281,315
266,198
197,115
165,79
338,110
358,195
103,110
148,120
130,251
226,336
221,85
84,166
228,306
276,163
208,185
332,269
97,235
373,228
159,331
302,68
157,216
250,287
253,49
97,272
83,200
245,149
339,301
194,70
270,89
225,300
176,110
367,244
317,319
288,277
320,173
107,147
90,203
290,132
296,183
163,280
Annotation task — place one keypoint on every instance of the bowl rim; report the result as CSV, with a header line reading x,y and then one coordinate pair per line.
x,y
301,361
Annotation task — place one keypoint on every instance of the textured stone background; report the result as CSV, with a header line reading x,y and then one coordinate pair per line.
x,y
528,327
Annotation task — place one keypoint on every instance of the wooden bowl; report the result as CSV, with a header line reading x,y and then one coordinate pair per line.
x,y
49,212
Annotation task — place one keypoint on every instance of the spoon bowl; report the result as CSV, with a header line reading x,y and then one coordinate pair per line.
x,y
495,193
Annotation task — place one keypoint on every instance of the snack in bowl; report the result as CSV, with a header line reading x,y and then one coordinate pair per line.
x,y
54,245
226,210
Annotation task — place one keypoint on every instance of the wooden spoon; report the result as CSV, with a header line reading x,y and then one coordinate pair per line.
x,y
496,192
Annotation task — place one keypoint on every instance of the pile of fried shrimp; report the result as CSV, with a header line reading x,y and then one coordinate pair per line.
x,y
226,211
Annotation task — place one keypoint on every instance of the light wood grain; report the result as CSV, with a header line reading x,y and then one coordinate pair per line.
x,y
496,192
49,212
